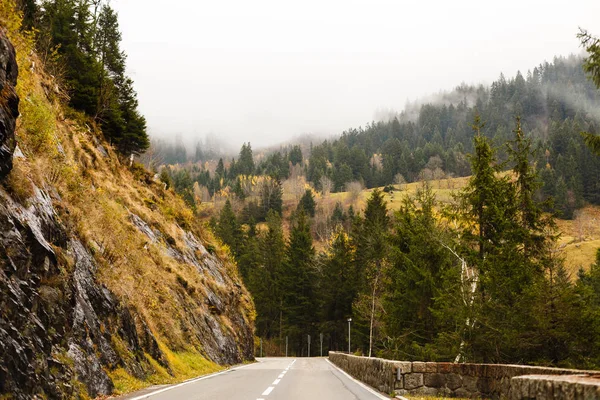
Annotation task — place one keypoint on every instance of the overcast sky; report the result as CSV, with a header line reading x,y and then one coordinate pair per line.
x,y
267,70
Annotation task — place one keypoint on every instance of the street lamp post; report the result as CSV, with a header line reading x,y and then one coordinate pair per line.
x,y
349,347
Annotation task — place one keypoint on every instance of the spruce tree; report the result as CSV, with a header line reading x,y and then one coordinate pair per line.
x,y
420,271
592,67
68,26
587,341
307,203
265,281
117,105
271,196
295,155
229,230
338,287
369,235
220,171
486,211
299,280
245,164
249,258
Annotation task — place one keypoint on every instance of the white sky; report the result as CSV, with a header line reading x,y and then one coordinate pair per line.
x,y
267,70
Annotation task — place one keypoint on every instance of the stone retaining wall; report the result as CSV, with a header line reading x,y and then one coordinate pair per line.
x,y
469,380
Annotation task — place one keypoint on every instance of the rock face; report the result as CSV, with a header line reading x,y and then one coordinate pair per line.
x,y
57,324
60,329
9,103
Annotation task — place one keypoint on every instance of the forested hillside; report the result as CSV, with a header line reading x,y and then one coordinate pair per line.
x,y
555,101
479,277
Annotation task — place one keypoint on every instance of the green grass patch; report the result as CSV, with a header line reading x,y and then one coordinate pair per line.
x,y
184,364
125,383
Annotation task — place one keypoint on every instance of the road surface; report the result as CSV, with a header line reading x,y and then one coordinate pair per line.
x,y
270,379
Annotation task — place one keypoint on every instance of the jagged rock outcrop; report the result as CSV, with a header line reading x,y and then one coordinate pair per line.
x,y
9,103
57,324
61,330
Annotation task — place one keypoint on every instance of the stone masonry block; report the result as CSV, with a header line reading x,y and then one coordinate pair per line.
x,y
544,390
591,392
405,366
431,367
418,366
434,380
445,367
453,381
463,393
413,381
399,384
469,383
486,385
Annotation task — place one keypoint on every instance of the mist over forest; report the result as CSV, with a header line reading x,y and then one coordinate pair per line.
x,y
432,140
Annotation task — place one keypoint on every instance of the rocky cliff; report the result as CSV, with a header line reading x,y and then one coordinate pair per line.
x,y
9,103
105,277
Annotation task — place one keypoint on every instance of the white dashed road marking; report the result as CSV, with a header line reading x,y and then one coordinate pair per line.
x,y
276,381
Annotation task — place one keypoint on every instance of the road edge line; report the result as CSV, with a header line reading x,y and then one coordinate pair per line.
x,y
197,379
363,385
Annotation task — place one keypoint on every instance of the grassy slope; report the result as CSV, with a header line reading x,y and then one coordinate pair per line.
x,y
65,155
579,240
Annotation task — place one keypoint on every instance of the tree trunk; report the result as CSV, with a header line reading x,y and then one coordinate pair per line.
x,y
373,313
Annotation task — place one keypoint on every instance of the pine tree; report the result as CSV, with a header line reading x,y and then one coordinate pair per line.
x,y
250,257
299,279
117,105
421,269
307,203
245,164
68,26
592,67
587,341
271,196
229,230
265,281
370,238
220,171
338,287
30,11
295,155
486,211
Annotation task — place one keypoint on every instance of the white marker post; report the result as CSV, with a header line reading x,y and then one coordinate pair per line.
x,y
349,347
321,337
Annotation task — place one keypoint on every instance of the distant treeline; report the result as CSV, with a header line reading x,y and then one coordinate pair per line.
x,y
431,141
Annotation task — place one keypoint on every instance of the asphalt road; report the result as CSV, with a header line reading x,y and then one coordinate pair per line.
x,y
270,379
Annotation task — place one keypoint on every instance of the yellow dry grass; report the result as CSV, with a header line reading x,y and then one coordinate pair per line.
x,y
184,364
579,241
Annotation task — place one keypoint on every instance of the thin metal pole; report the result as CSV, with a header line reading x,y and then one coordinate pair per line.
x,y
261,347
349,347
321,337
286,345
308,355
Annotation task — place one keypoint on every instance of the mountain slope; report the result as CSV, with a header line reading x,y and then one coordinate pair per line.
x,y
106,281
